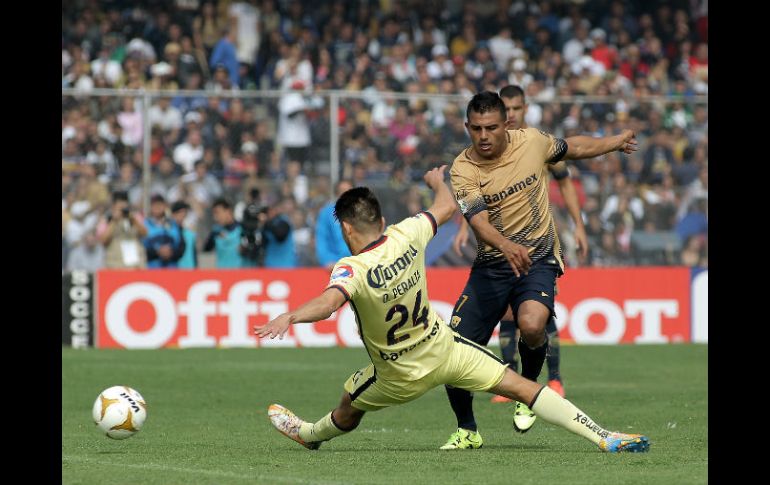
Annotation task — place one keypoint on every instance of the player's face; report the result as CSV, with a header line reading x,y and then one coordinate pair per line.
x,y
515,109
487,132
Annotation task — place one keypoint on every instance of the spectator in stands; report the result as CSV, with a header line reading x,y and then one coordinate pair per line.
x,y
86,255
279,237
207,27
121,232
164,242
293,128
644,50
189,259
224,53
330,247
191,151
130,121
203,186
165,116
226,238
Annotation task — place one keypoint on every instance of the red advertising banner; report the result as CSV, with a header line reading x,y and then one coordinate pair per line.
x,y
218,308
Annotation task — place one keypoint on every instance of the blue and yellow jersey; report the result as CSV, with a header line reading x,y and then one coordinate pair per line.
x,y
387,290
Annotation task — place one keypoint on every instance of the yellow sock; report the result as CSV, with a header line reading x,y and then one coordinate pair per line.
x,y
557,410
322,430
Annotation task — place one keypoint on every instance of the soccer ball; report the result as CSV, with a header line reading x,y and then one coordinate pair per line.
x,y
119,412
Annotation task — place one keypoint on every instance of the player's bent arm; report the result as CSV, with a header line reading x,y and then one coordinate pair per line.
x,y
567,189
581,147
461,238
486,231
444,205
319,308
516,254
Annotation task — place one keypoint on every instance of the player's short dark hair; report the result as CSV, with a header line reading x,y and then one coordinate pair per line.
x,y
223,203
511,91
359,207
485,101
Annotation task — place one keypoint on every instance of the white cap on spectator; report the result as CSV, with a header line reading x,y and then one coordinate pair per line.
x,y
68,132
161,69
192,117
79,208
249,147
587,63
439,50
598,33
519,65
142,47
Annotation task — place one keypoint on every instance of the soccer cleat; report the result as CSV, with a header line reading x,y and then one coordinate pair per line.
x,y
523,417
557,386
498,398
463,439
617,442
288,424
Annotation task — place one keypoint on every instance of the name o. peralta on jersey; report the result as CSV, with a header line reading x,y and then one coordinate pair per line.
x,y
387,290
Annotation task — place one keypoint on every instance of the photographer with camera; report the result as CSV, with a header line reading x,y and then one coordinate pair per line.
x,y
227,238
120,232
253,218
164,242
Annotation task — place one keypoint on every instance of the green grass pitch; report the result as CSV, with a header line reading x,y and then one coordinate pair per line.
x,y
207,421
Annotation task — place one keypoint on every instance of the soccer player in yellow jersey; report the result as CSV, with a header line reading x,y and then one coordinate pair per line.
x,y
500,183
412,350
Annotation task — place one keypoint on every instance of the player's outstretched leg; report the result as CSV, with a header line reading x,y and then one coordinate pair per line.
x,y
508,345
553,357
341,420
561,412
289,424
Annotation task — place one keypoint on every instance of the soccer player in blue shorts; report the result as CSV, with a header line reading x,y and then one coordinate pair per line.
x,y
500,183
411,349
516,110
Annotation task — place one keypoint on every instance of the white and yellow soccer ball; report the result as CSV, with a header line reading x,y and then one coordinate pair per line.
x,y
119,412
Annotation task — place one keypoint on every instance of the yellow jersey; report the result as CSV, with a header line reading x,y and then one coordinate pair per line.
x,y
388,293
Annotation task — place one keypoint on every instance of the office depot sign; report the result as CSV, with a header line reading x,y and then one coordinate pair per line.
x,y
211,308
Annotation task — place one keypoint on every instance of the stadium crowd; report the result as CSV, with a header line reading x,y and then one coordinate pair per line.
x,y
254,171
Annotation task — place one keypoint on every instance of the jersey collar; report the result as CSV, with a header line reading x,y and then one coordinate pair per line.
x,y
374,244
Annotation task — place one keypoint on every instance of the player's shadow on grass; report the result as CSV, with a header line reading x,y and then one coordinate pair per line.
x,y
378,449
520,447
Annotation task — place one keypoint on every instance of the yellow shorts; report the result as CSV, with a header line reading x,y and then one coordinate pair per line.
x,y
469,366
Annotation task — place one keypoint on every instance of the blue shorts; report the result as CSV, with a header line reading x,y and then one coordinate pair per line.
x,y
493,287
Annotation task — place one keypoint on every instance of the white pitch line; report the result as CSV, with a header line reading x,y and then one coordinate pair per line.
x,y
219,473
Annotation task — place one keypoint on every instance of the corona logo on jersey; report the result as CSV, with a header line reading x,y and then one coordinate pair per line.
x,y
209,308
379,276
